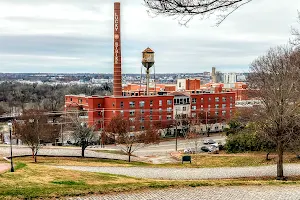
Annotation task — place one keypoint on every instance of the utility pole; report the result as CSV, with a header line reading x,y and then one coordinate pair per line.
x,y
11,154
176,143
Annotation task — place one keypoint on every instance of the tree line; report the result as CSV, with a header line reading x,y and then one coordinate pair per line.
x,y
43,96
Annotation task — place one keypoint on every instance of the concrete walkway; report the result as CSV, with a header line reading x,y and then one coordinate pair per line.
x,y
201,193
4,167
191,173
72,151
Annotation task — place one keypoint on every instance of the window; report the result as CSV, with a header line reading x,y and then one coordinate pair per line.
x,y
142,119
169,102
150,117
169,109
223,99
160,102
113,105
194,107
151,111
194,100
230,99
169,117
193,114
151,103
209,99
142,127
180,84
188,100
132,128
217,105
132,104
132,119
223,105
142,104
216,113
231,105
71,99
160,117
223,112
122,104
122,112
202,100
160,110
180,101
79,100
142,111
99,105
208,106
99,113
131,113
217,99
183,108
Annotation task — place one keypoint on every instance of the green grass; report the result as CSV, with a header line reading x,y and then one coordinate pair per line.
x,y
111,151
61,182
19,165
36,180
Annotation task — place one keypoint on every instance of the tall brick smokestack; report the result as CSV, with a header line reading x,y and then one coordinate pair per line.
x,y
117,51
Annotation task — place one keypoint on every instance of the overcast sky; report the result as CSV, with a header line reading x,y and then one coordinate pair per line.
x,y
77,36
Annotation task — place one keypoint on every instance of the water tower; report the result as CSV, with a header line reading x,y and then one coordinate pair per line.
x,y
148,62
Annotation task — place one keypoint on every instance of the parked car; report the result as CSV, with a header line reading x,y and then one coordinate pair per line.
x,y
189,150
209,141
205,149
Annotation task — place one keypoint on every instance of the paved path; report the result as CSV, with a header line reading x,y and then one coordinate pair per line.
x,y
4,167
17,151
191,173
215,193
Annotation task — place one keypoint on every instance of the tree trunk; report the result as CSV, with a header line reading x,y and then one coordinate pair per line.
x,y
35,156
129,157
267,156
280,161
82,150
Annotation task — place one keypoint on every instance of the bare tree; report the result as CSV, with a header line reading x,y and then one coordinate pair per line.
x,y
82,133
186,10
275,80
34,130
129,142
296,33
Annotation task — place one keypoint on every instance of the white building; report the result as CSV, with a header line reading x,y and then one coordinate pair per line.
x,y
229,80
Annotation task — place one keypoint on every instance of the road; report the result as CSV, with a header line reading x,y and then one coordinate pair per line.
x,y
203,193
169,146
154,153
191,173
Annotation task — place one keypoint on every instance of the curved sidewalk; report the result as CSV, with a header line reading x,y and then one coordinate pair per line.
x,y
4,167
191,173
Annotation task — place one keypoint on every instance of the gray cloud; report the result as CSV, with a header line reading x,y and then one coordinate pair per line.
x,y
76,36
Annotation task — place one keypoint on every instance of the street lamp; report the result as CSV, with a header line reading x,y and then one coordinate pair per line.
x,y
11,156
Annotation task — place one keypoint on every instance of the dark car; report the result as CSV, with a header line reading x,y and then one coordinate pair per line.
x,y
209,141
205,149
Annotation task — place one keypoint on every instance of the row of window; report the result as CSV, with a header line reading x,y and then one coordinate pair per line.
x,y
217,99
132,112
142,119
209,106
216,113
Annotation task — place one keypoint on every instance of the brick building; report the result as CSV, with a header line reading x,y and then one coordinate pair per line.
x,y
98,111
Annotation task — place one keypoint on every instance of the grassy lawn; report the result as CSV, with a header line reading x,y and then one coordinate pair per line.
x,y
93,162
232,160
33,180
110,151
198,161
